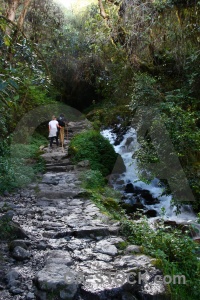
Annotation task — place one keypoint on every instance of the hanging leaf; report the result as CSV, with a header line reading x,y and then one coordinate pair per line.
x,y
3,85
13,83
16,97
6,40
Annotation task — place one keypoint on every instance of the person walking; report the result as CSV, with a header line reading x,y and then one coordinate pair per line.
x,y
61,132
53,128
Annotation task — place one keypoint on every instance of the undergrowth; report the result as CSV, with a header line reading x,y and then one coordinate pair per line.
x,y
20,166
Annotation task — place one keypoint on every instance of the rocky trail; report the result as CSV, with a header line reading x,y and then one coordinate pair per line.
x,y
64,247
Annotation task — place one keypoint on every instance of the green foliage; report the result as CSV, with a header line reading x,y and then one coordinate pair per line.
x,y
175,251
145,90
122,245
21,168
7,232
91,145
92,179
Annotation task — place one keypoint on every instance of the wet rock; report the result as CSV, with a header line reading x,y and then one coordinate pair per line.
x,y
120,131
146,195
150,213
132,208
137,191
20,253
129,188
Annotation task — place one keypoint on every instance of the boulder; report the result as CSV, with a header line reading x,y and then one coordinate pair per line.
x,y
132,208
20,253
150,213
137,191
56,279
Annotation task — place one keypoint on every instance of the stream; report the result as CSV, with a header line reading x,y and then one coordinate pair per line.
x,y
130,177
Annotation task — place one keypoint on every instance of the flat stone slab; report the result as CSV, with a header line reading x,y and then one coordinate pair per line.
x,y
56,278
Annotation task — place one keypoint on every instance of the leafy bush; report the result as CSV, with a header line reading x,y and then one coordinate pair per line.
x,y
91,145
176,252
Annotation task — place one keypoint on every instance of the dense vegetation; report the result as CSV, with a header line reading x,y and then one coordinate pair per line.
x,y
128,62
92,146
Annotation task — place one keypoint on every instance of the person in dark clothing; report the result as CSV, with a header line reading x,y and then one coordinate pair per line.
x,y
61,132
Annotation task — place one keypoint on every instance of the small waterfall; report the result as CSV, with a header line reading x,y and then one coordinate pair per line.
x,y
126,149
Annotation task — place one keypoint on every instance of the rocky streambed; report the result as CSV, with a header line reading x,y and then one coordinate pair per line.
x,y
63,246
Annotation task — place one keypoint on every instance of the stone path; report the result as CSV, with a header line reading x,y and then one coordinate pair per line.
x,y
68,249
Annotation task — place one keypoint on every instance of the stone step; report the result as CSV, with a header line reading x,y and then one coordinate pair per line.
x,y
83,232
58,194
59,168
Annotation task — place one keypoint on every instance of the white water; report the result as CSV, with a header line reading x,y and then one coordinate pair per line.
x,y
126,149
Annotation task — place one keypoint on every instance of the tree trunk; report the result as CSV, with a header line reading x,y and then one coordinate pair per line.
x,y
11,12
102,10
22,16
12,7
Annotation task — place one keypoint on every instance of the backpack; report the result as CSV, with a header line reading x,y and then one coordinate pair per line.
x,y
61,121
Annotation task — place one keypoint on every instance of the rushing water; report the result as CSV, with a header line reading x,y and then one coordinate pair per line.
x,y
126,149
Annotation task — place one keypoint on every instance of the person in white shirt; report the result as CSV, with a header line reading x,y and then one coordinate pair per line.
x,y
53,127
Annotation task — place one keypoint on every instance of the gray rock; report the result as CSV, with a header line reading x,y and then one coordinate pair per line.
x,y
55,278
132,248
12,277
17,231
16,291
20,253
30,296
16,243
106,248
42,246
84,163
